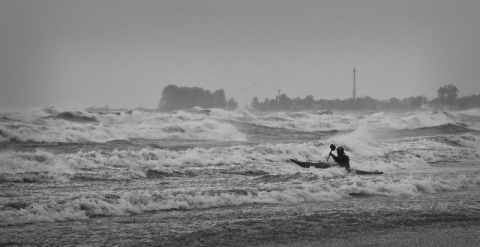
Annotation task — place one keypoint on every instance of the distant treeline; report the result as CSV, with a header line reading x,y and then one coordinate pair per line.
x,y
447,98
177,98
284,103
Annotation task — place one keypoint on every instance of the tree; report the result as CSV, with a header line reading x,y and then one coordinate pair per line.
x,y
219,99
416,102
468,102
447,94
309,101
176,98
255,104
284,102
232,104
394,104
170,98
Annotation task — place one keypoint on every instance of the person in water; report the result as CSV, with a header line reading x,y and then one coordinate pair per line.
x,y
341,159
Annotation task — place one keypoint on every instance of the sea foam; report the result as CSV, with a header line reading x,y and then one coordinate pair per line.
x,y
274,190
74,127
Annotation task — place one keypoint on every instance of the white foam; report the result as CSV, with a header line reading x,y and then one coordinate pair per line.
x,y
302,121
291,190
31,167
123,126
412,120
473,112
213,124
365,154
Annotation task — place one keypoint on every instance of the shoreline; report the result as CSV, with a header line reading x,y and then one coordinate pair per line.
x,y
436,235
326,224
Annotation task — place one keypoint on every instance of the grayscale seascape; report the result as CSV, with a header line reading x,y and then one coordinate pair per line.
x,y
190,178
219,122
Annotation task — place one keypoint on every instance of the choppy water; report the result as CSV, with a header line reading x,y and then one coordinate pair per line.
x,y
78,167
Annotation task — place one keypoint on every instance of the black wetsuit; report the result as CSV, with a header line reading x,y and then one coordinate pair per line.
x,y
342,160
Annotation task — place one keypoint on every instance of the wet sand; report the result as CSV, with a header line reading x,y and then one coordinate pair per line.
x,y
433,220
436,235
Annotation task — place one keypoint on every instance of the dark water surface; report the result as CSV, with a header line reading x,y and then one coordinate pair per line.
x,y
225,179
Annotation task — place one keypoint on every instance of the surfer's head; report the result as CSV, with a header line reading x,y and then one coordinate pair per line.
x,y
340,150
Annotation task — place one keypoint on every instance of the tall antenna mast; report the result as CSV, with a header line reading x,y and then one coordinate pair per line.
x,y
354,93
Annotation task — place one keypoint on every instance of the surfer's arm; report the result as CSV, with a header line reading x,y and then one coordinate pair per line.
x,y
334,157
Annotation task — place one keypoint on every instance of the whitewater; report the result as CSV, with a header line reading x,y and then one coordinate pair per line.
x,y
193,177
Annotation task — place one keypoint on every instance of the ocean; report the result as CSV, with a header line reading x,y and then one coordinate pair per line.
x,y
221,178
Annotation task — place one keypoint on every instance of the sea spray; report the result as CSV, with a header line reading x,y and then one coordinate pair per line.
x,y
72,127
265,189
406,153
64,168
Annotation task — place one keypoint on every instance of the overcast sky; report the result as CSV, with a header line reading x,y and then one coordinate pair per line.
x,y
73,54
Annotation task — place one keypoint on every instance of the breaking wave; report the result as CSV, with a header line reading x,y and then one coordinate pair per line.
x,y
80,126
244,161
366,153
269,190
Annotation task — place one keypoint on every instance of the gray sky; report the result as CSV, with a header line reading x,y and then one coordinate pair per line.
x,y
74,54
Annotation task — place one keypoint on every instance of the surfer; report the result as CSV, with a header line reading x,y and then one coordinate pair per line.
x,y
341,159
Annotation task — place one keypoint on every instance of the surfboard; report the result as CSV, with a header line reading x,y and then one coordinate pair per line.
x,y
324,165
304,164
361,172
